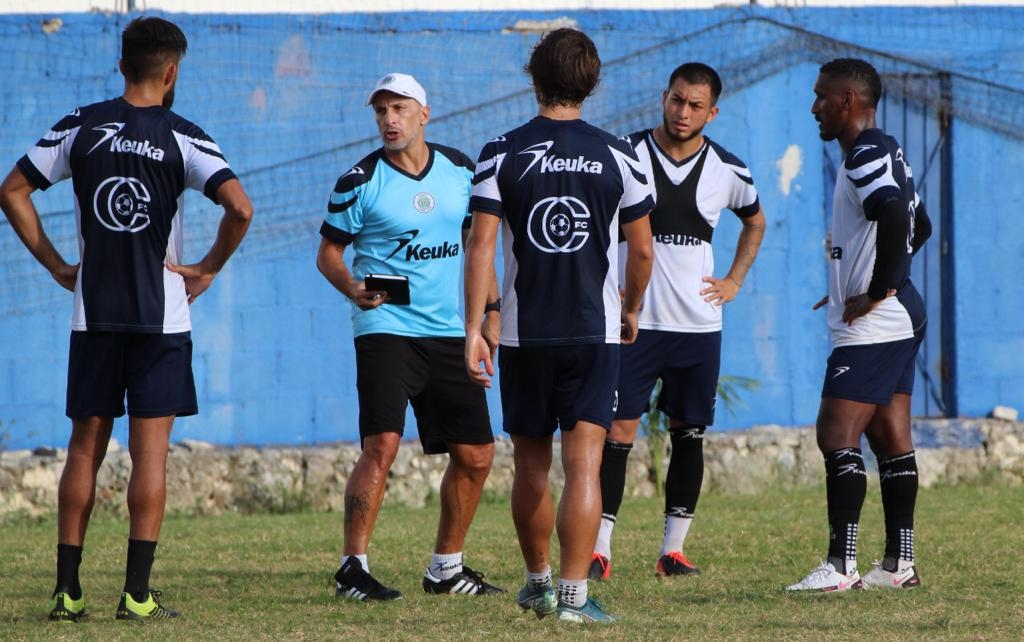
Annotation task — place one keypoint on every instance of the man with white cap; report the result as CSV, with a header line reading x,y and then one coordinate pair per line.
x,y
404,210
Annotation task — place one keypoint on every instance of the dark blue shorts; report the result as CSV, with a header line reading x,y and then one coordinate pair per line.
x,y
548,387
872,373
392,371
687,364
153,370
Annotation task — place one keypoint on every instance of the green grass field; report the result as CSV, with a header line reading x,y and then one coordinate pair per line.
x,y
257,577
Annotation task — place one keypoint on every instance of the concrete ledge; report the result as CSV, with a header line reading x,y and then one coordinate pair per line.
x,y
204,479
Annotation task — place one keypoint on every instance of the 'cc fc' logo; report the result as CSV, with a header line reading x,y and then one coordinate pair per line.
x,y
122,204
559,224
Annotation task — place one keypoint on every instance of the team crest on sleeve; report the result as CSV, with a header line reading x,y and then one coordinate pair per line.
x,y
423,202
559,224
121,204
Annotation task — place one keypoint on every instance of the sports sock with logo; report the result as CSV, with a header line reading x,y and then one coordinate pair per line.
x,y
446,566
140,563
682,484
898,481
69,558
846,485
572,592
539,580
613,482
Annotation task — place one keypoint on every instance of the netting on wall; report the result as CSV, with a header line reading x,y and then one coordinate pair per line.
x,y
284,96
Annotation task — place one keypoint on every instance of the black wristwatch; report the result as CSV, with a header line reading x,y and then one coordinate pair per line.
x,y
493,307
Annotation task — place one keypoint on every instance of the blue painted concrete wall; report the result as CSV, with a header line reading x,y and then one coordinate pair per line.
x,y
283,95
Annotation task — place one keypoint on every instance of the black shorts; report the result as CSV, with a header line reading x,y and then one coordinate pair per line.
x,y
546,387
392,370
687,364
153,370
874,372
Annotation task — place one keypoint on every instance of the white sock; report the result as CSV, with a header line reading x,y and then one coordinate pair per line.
x,y
362,560
445,567
572,592
603,546
539,579
675,534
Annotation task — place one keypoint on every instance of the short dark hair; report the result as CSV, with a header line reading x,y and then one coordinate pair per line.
x,y
857,70
147,44
564,67
697,73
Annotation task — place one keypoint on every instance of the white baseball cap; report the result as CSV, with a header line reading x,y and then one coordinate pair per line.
x,y
401,84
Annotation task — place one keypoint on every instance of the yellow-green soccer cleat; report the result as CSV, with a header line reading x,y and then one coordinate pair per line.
x,y
65,609
149,609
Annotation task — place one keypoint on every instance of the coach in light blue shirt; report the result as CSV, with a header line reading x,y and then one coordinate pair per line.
x,y
403,210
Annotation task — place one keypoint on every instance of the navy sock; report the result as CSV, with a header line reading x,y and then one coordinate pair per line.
x,y
899,482
685,471
69,558
140,563
846,485
613,477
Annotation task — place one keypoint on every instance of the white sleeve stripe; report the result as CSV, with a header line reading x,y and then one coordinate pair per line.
x,y
868,168
483,166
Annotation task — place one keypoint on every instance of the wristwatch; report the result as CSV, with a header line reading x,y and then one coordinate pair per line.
x,y
493,307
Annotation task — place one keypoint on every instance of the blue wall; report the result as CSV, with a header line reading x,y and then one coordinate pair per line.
x,y
283,95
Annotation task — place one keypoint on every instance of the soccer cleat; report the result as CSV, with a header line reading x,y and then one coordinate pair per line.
x,y
148,609
591,611
466,582
675,563
65,609
826,579
541,599
600,567
905,576
353,583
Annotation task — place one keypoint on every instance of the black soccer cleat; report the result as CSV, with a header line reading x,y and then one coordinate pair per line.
x,y
466,582
353,583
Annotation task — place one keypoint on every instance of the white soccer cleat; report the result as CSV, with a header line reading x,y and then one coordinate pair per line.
x,y
826,579
905,576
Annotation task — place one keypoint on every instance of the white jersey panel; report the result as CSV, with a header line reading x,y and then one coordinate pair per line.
x,y
681,261
863,175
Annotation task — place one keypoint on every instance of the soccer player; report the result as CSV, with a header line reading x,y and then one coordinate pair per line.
x,y
877,321
680,339
130,160
403,209
558,188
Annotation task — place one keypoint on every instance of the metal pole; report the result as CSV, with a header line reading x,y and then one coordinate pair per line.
x,y
946,240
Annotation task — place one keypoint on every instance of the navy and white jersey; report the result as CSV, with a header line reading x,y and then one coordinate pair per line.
x,y
407,225
561,188
129,168
689,198
873,172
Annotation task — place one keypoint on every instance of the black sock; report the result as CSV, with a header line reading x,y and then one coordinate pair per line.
x,y
613,477
685,471
69,558
846,484
140,563
898,481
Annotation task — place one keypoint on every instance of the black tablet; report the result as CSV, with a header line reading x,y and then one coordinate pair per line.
x,y
396,286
